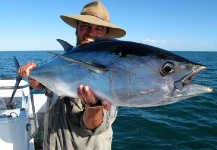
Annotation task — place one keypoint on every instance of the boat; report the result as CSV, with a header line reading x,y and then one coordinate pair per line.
x,y
21,119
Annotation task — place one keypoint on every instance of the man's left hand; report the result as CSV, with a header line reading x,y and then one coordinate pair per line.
x,y
89,99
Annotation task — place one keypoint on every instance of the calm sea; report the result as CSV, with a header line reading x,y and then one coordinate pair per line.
x,y
188,124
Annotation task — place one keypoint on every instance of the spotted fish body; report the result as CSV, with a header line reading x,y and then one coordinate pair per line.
x,y
124,73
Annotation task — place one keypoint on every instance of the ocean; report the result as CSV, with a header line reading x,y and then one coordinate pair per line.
x,y
188,124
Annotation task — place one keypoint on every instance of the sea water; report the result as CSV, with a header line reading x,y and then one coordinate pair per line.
x,y
188,124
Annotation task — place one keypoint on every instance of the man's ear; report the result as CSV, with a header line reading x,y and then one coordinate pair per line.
x,y
76,32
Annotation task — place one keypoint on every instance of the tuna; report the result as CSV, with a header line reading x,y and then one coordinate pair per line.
x,y
124,73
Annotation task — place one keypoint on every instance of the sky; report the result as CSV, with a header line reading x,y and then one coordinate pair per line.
x,y
184,25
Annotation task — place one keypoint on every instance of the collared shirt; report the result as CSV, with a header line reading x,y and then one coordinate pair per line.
x,y
64,129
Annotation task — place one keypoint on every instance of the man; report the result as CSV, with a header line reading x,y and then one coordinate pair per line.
x,y
67,124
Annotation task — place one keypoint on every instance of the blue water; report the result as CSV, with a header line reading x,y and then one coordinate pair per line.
x,y
188,124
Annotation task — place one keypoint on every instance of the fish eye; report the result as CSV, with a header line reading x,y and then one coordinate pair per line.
x,y
168,68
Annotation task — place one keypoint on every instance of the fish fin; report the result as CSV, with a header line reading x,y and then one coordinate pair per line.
x,y
112,113
94,107
65,45
18,79
95,68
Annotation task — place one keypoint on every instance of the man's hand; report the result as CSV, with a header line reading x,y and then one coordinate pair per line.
x,y
89,99
92,117
25,71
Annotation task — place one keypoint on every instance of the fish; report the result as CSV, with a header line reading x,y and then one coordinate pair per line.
x,y
125,73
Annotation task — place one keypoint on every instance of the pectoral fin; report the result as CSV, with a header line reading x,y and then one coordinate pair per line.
x,y
96,68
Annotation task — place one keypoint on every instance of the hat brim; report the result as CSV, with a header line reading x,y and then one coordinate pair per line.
x,y
114,31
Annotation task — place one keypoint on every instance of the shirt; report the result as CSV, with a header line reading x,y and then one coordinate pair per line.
x,y
64,129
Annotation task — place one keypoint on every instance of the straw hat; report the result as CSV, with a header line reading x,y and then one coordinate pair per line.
x,y
95,13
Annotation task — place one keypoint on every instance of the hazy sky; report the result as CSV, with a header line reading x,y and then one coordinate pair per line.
x,y
168,24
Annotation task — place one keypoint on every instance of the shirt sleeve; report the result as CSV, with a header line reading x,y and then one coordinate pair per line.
x,y
74,113
103,126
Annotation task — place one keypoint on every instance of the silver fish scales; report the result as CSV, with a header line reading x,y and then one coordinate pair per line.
x,y
124,73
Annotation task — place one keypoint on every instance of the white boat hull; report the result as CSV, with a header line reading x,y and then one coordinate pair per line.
x,y
19,124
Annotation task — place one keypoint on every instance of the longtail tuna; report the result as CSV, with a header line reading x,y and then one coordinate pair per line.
x,y
124,73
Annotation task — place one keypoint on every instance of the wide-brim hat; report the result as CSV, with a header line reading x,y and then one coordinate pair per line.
x,y
95,13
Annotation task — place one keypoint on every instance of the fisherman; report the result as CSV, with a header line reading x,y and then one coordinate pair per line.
x,y
70,124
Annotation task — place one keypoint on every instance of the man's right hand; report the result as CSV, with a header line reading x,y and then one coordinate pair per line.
x,y
25,71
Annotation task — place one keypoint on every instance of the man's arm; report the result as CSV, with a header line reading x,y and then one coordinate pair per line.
x,y
92,117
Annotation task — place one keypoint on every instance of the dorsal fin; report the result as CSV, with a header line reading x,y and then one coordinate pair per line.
x,y
65,45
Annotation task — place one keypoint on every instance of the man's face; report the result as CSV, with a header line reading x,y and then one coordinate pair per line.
x,y
86,32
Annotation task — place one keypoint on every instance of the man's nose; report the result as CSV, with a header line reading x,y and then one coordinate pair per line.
x,y
91,32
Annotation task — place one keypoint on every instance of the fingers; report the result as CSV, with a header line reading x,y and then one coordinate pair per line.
x,y
25,69
86,95
88,98
106,105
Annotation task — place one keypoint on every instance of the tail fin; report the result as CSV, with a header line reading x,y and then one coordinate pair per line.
x,y
18,79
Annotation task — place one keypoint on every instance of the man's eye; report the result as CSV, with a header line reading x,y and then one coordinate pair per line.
x,y
99,29
84,25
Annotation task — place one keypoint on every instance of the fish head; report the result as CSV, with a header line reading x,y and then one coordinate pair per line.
x,y
183,86
154,80
175,81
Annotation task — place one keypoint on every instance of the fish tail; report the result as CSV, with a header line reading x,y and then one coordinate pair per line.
x,y
18,79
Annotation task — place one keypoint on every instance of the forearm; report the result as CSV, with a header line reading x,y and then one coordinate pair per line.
x,y
92,118
35,84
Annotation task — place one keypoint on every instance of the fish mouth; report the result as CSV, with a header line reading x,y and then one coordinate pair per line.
x,y
189,77
186,81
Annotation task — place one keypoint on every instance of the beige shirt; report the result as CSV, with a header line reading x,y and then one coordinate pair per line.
x,y
64,130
